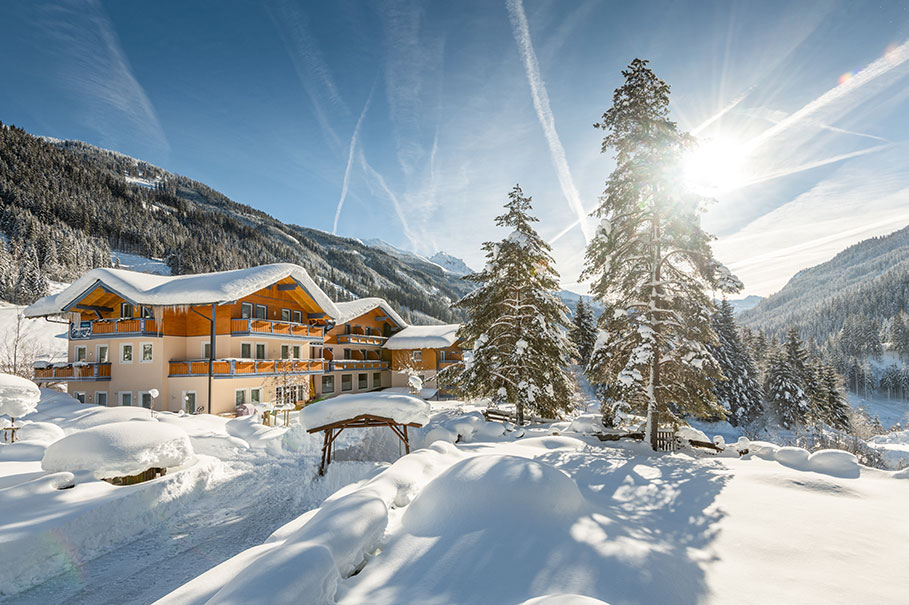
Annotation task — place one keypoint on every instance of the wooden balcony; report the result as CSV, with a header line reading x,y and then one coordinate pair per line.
x,y
362,339
268,327
106,328
357,364
238,368
445,363
73,372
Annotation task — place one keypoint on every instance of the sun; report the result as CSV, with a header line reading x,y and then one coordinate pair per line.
x,y
716,165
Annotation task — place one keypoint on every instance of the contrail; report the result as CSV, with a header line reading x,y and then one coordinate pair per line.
x,y
695,131
891,60
544,112
559,235
816,164
391,196
350,158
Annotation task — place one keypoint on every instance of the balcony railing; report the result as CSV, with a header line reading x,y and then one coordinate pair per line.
x,y
362,339
276,328
73,372
444,363
234,368
104,328
357,364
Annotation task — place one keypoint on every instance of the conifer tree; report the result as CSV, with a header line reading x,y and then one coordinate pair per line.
x,y
516,323
836,408
31,283
583,331
739,390
784,393
651,263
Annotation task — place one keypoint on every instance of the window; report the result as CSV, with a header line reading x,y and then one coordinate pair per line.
x,y
298,317
80,353
147,313
301,392
417,355
147,349
368,331
80,397
102,354
261,312
363,381
101,397
255,395
285,314
260,350
297,352
246,350
126,310
376,380
189,402
126,398
285,352
348,354
126,353
246,310
328,385
346,382
146,400
206,350
240,396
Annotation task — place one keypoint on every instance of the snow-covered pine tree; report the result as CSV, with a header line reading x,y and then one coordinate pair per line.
x,y
836,410
31,283
651,263
8,273
784,394
583,331
739,391
515,321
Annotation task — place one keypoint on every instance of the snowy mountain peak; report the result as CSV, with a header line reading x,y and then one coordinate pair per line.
x,y
450,263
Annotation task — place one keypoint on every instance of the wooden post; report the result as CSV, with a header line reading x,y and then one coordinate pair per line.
x,y
324,449
406,441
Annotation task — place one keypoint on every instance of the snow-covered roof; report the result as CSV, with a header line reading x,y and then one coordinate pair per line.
x,y
424,337
404,409
356,308
198,289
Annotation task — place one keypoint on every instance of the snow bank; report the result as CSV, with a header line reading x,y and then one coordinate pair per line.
x,y
687,433
793,457
763,449
404,409
834,462
18,396
119,449
40,432
508,489
587,424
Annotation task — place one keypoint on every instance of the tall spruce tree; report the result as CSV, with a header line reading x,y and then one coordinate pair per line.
x,y
515,322
784,393
651,263
835,410
583,331
739,390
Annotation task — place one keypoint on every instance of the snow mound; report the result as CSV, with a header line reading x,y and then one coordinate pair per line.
x,y
687,433
404,409
552,442
424,337
119,449
586,424
492,489
18,396
564,599
41,432
794,457
834,462
763,449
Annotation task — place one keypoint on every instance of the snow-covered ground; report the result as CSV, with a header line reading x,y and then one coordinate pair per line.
x,y
134,262
888,411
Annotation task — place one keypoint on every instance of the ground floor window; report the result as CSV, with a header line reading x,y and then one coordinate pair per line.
x,y
126,398
189,402
346,382
376,380
146,400
101,397
255,395
240,396
80,397
302,392
363,381
328,385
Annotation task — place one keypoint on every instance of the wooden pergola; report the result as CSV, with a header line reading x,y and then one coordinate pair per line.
x,y
362,421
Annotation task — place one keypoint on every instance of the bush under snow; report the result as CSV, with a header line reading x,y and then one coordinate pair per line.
x,y
18,396
119,449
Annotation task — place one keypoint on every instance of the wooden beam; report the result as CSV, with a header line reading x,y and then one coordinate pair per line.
x,y
283,287
96,308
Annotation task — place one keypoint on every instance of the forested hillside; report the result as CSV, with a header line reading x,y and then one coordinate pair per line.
x,y
64,205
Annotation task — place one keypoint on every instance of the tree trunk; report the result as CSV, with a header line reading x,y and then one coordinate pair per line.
x,y
653,408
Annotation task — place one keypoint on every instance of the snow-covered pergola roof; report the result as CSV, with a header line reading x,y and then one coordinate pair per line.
x,y
424,337
169,291
356,308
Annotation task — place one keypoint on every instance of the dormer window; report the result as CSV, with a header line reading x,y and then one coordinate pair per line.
x,y
126,310
246,310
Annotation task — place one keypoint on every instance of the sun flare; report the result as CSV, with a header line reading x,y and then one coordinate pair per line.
x,y
716,165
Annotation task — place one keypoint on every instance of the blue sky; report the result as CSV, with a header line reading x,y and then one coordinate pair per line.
x,y
417,118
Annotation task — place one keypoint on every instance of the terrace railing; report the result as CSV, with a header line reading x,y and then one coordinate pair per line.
x,y
73,372
277,328
104,328
362,339
233,368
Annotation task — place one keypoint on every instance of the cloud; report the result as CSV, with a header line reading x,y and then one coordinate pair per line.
x,y
93,65
540,97
350,158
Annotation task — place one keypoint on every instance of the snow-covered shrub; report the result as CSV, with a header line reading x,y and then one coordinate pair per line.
x,y
18,396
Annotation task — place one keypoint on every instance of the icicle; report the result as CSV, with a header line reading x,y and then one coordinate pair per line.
x,y
158,312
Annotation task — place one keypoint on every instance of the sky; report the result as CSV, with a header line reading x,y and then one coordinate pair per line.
x,y
411,121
